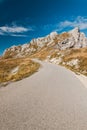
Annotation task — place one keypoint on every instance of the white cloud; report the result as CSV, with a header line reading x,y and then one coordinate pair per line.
x,y
80,22
14,30
18,35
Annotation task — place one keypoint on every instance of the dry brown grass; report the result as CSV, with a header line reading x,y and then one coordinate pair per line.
x,y
55,55
68,55
43,53
64,35
81,55
26,68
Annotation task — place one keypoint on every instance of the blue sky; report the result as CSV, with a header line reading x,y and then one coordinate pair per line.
x,y
23,20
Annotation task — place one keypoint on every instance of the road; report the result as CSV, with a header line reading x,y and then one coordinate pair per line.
x,y
51,99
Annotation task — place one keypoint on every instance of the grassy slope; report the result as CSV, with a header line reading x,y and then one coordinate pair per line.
x,y
81,55
26,68
67,56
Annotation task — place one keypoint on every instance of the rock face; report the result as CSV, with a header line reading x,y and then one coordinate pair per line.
x,y
66,40
79,38
76,39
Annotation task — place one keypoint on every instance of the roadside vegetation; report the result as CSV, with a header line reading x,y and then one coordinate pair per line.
x,y
75,60
16,69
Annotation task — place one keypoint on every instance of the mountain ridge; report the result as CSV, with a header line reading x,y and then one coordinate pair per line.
x,y
65,40
68,49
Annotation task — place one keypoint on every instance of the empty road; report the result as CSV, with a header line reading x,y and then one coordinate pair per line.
x,y
51,99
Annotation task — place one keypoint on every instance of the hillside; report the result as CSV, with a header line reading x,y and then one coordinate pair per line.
x,y
66,40
68,49
16,69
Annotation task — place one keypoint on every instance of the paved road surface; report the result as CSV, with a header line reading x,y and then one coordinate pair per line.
x,y
51,99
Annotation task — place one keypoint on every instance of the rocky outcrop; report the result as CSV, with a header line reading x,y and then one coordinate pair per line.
x,y
66,40
79,38
76,39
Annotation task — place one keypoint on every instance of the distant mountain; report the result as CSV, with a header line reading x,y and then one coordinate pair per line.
x,y
66,40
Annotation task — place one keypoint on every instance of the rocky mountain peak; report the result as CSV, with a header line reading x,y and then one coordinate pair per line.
x,y
75,33
53,35
78,37
67,40
75,30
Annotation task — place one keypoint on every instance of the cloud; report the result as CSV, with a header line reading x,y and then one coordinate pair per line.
x,y
7,29
18,35
80,22
14,30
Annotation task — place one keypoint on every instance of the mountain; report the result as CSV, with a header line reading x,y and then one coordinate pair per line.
x,y
68,49
66,40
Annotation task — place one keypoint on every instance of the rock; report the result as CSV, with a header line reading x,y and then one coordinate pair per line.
x,y
73,62
53,35
79,38
67,40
